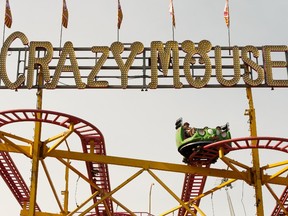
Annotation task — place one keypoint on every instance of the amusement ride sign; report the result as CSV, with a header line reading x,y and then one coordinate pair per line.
x,y
162,65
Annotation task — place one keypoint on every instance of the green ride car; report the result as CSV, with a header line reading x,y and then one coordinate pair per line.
x,y
189,139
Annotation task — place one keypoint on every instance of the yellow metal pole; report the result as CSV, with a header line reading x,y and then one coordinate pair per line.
x,y
35,150
255,155
66,192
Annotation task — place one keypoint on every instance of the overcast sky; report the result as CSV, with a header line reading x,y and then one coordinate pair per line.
x,y
140,124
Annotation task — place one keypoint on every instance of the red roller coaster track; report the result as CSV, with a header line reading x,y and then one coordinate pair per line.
x,y
14,180
194,184
98,173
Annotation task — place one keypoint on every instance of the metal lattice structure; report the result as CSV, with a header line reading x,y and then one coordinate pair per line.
x,y
193,187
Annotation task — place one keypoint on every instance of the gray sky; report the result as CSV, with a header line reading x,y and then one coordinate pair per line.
x,y
139,124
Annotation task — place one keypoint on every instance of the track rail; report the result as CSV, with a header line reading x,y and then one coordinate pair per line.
x,y
89,135
273,143
193,186
284,200
15,181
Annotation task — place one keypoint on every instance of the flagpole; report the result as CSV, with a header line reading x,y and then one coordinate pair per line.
x,y
229,37
119,19
61,30
171,11
228,21
64,22
229,42
4,27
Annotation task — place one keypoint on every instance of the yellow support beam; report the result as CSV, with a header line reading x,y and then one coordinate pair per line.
x,y
269,166
276,175
62,139
161,166
146,164
21,149
36,150
13,136
13,145
255,155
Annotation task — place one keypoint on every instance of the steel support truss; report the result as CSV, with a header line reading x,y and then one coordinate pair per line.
x,y
94,155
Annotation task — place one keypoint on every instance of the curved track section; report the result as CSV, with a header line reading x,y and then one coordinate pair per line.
x,y
273,143
97,173
194,184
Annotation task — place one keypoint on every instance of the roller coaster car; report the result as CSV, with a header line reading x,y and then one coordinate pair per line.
x,y
202,136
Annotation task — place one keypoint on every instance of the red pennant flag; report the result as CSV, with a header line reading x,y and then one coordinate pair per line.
x,y
226,14
171,10
120,15
65,15
8,15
